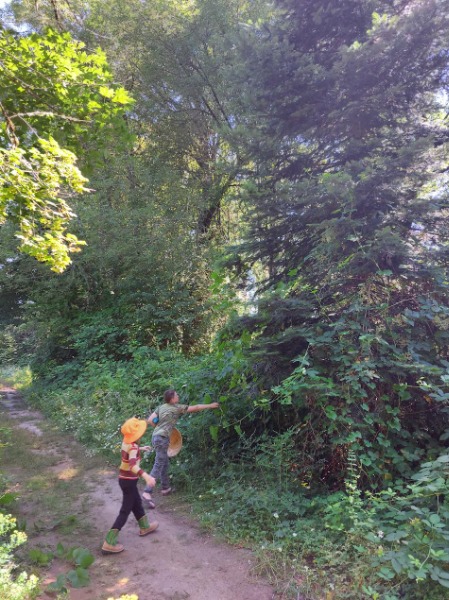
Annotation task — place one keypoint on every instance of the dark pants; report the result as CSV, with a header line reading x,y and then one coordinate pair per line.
x,y
131,503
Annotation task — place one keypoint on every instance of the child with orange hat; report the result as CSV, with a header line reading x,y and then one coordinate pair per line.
x,y
130,471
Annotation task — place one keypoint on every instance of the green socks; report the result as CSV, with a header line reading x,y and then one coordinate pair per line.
x,y
112,536
143,522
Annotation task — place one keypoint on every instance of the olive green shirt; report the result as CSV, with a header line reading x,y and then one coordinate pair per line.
x,y
168,414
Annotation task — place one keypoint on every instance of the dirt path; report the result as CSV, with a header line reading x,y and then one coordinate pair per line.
x,y
177,562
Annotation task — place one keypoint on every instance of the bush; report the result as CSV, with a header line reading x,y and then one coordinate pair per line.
x,y
402,531
13,587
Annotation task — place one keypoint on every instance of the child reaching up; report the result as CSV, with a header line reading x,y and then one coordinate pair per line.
x,y
130,471
163,419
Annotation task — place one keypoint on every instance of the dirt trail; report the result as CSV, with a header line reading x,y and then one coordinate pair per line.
x,y
177,562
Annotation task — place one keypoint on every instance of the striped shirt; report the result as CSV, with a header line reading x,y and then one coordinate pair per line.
x,y
130,465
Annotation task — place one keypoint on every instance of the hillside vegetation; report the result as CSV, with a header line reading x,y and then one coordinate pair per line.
x,y
249,205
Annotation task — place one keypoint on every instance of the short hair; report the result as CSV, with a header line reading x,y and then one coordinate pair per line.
x,y
169,395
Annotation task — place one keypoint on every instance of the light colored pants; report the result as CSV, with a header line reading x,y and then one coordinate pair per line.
x,y
160,467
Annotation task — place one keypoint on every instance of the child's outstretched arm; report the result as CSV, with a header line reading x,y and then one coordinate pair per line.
x,y
198,407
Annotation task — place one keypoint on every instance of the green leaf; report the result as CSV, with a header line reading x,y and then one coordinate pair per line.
x,y
213,430
60,550
386,573
78,577
83,557
121,96
7,498
39,557
59,585
443,574
106,92
330,413
238,430
397,566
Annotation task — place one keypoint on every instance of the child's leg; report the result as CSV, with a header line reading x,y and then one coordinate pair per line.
x,y
141,517
127,486
110,544
160,467
165,480
146,495
137,506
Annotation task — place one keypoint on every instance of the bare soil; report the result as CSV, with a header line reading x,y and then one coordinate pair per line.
x,y
71,499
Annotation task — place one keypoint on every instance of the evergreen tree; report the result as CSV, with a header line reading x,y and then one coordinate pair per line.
x,y
347,128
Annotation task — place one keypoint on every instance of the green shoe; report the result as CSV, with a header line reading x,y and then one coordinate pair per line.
x,y
110,545
143,522
145,527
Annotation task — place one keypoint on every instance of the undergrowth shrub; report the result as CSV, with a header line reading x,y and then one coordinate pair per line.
x,y
94,402
403,531
15,584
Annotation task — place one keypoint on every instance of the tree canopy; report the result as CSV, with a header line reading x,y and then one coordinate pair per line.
x,y
54,98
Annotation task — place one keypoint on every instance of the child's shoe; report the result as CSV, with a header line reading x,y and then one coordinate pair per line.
x,y
166,491
146,497
110,545
145,527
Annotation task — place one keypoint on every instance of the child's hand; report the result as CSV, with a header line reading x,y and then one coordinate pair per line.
x,y
146,448
214,405
150,481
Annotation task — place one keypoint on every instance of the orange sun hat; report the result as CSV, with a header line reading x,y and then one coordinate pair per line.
x,y
133,429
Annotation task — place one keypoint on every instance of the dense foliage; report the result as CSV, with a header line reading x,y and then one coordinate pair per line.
x,y
15,582
349,218
274,236
54,96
